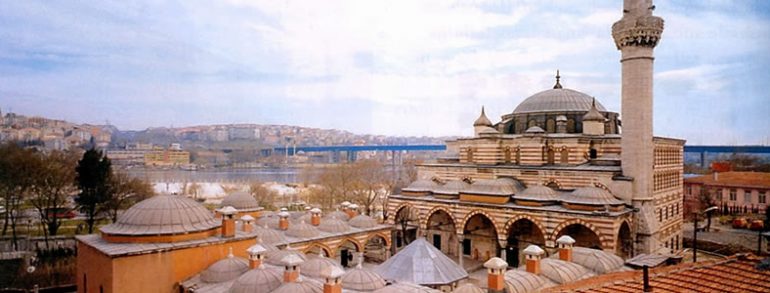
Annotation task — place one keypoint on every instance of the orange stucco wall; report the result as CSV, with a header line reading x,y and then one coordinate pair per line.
x,y
96,267
154,272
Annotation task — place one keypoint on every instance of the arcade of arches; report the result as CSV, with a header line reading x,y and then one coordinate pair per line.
x,y
481,235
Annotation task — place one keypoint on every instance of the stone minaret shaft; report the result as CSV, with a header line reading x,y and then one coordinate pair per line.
x,y
636,35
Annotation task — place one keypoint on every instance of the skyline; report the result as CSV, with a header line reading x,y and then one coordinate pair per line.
x,y
393,68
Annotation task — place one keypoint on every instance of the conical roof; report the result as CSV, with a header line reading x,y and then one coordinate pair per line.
x,y
593,114
482,120
163,215
421,263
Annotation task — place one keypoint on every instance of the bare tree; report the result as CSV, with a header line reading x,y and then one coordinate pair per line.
x,y
124,192
53,189
264,196
18,168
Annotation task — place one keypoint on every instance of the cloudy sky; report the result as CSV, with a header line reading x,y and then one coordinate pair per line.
x,y
380,67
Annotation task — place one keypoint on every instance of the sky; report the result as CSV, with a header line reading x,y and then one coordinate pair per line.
x,y
422,68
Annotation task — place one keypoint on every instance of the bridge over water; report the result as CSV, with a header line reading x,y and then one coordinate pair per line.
x,y
351,150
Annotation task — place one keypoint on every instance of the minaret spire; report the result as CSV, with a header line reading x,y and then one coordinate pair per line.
x,y
558,84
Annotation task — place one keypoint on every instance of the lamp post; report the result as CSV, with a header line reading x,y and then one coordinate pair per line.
x,y
695,230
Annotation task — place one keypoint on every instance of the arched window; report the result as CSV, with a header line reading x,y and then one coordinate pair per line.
x,y
550,126
564,156
518,156
592,153
550,156
507,155
531,123
571,126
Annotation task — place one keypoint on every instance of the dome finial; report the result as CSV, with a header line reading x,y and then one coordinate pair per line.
x,y
558,84
482,120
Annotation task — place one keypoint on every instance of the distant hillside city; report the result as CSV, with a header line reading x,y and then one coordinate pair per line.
x,y
229,145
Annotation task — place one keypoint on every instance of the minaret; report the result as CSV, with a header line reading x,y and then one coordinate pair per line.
x,y
636,35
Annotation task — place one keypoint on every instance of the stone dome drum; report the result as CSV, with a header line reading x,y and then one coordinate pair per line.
x,y
163,215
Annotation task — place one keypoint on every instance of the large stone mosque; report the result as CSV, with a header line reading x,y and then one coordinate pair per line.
x,y
559,190
559,164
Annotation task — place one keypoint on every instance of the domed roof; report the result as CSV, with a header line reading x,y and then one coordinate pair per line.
x,y
362,222
451,187
275,257
405,287
422,185
521,281
599,261
337,214
562,272
302,286
267,235
302,230
591,196
360,279
421,263
258,280
468,288
537,193
240,200
558,99
499,186
225,269
161,215
333,225
314,266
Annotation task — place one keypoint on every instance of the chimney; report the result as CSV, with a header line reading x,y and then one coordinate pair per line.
x,y
333,276
561,124
228,221
246,223
716,176
646,276
291,264
315,217
496,274
533,254
256,254
345,205
565,247
352,210
283,222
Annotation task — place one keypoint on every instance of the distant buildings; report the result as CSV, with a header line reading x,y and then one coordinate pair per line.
x,y
749,191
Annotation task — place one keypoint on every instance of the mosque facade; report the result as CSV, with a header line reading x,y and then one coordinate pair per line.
x,y
559,164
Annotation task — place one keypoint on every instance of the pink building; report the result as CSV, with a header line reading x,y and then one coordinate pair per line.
x,y
745,190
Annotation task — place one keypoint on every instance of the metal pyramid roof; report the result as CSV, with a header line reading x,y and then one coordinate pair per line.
x,y
421,263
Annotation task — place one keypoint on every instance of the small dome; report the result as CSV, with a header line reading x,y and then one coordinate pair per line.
x,y
482,120
451,187
591,196
315,265
422,185
535,129
596,260
537,193
305,285
337,214
275,257
499,186
404,287
258,280
468,288
360,279
562,272
163,215
306,217
225,269
271,222
362,222
267,235
521,281
240,200
302,230
334,225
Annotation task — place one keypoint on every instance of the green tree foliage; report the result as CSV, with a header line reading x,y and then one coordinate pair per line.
x,y
93,178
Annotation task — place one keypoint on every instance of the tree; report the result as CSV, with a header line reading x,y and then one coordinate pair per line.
x,y
405,218
371,184
264,196
93,177
17,177
123,192
53,188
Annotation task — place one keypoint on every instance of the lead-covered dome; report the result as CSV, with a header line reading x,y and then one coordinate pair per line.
x,y
225,269
258,280
240,200
557,100
163,215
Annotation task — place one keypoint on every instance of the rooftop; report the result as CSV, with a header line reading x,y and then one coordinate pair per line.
x,y
733,178
736,273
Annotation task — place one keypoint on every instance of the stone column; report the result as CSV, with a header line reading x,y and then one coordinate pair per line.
x,y
460,249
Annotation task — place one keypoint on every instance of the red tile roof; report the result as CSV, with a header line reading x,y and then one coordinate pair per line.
x,y
736,179
737,273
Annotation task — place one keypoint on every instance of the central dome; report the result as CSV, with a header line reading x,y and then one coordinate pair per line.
x,y
557,100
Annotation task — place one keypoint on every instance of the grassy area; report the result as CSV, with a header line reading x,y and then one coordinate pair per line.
x,y
68,227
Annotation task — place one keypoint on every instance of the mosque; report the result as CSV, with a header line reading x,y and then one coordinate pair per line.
x,y
559,164
559,190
